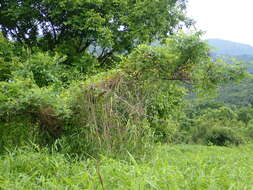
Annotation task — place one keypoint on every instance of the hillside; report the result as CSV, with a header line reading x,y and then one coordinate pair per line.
x,y
239,94
230,48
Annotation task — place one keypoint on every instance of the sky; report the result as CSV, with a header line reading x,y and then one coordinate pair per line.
x,y
224,19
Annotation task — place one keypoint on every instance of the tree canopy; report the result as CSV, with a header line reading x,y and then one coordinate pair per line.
x,y
75,27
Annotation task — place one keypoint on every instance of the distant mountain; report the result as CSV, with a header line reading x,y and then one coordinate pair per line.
x,y
226,50
236,94
224,47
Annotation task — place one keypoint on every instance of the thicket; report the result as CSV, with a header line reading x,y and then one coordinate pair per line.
x,y
91,83
139,102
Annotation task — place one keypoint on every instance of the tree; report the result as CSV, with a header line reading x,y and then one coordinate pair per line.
x,y
74,27
6,56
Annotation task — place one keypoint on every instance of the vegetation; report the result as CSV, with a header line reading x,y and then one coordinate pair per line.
x,y
43,101
229,51
175,167
234,94
75,27
87,99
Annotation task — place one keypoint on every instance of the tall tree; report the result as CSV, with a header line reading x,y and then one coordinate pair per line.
x,y
74,26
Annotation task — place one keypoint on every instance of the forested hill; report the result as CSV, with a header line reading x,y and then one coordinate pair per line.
x,y
228,49
239,94
224,47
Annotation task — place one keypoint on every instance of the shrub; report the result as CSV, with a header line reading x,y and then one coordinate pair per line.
x,y
29,111
107,115
218,127
6,56
44,69
245,114
117,110
223,136
166,131
249,130
5,70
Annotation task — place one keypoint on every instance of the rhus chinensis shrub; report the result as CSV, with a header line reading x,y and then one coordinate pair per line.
x,y
140,100
108,114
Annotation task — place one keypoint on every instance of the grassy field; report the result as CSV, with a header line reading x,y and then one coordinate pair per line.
x,y
178,167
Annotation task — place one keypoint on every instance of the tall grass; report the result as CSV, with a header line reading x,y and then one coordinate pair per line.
x,y
109,116
169,167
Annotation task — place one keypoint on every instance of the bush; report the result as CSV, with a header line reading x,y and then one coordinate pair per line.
x,y
107,115
245,114
122,109
216,134
218,127
6,56
5,70
223,136
29,111
44,69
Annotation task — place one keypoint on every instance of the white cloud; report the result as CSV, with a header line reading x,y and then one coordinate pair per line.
x,y
225,19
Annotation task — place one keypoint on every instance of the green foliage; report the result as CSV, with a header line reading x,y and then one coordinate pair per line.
x,y
79,78
6,49
222,136
6,56
5,70
249,129
75,27
237,94
183,58
245,114
218,126
117,110
29,111
45,70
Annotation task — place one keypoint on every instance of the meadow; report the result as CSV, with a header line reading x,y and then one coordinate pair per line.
x,y
173,167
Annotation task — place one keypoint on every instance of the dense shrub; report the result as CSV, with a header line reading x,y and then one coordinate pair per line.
x,y
218,127
223,136
245,114
107,115
33,113
44,69
124,109
6,56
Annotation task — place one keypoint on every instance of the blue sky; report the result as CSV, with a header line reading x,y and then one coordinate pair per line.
x,y
224,19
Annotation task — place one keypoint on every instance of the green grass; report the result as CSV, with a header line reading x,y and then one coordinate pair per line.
x,y
178,167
